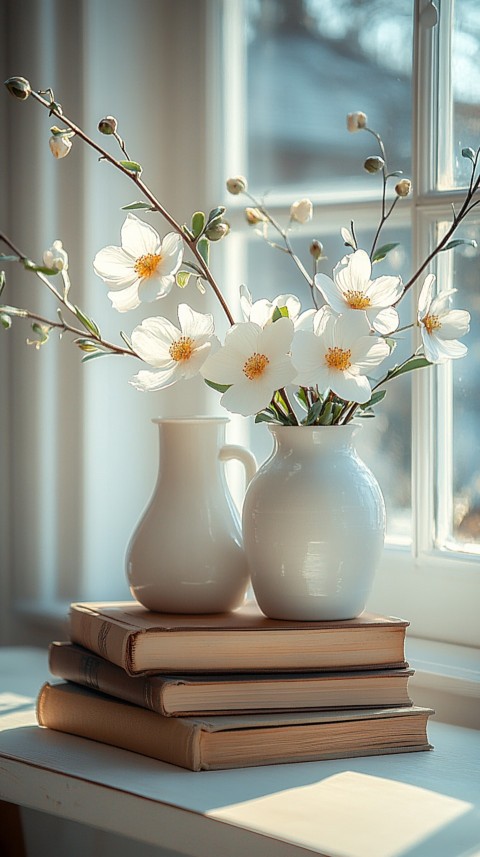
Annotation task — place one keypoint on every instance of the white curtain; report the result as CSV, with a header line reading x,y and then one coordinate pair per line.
x,y
77,448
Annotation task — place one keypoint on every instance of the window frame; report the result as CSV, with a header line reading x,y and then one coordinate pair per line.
x,y
437,590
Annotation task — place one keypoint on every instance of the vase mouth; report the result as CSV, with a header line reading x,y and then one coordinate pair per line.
x,y
201,418
348,427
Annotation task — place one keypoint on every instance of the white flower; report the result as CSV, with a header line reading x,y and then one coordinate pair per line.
x,y
59,145
261,312
337,355
352,289
301,211
440,326
255,362
174,353
143,268
56,257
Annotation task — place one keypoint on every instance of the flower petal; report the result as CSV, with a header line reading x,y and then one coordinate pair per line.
x,y
139,238
355,275
195,323
385,321
115,267
330,291
152,340
149,382
276,339
352,388
155,287
455,323
247,398
426,295
126,299
385,291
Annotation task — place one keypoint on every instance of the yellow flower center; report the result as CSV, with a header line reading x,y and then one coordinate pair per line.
x,y
338,358
255,366
357,300
146,265
181,349
431,322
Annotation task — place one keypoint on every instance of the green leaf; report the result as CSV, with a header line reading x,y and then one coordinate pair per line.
x,y
126,339
13,310
395,173
87,344
265,417
216,214
137,206
203,247
314,413
415,362
301,398
458,241
4,258
279,312
182,278
468,153
2,281
94,355
187,232
220,388
198,223
5,320
376,398
131,166
87,322
383,251
40,269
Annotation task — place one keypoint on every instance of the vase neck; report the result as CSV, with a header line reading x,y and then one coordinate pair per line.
x,y
190,446
332,438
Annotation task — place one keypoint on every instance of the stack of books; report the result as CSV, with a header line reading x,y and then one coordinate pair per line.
x,y
232,690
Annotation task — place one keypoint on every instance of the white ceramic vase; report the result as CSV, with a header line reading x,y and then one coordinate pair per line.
x,y
186,554
313,525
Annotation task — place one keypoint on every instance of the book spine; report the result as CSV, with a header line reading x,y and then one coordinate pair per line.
x,y
106,638
81,712
90,670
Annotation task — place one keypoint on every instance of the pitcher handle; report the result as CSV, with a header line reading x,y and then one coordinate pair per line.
x,y
232,450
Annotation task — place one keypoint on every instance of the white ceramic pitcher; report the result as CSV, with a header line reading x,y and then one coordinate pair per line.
x,y
186,553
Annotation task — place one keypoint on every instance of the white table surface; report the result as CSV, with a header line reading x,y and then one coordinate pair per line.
x,y
408,805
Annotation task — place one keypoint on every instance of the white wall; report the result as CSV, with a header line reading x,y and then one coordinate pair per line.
x,y
77,448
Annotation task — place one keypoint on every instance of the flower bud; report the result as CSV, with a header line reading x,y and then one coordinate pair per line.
x,y
236,185
108,125
356,121
403,187
301,211
254,216
56,257
217,231
374,164
316,249
19,87
60,145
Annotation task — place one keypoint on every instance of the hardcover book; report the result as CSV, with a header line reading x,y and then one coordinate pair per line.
x,y
224,693
140,641
215,742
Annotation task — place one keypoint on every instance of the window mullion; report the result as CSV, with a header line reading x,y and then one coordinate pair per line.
x,y
424,168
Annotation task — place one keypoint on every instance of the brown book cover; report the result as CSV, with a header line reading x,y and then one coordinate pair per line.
x,y
224,693
140,641
215,743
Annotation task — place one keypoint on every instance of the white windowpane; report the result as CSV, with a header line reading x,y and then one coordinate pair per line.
x,y
458,482
311,62
466,80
